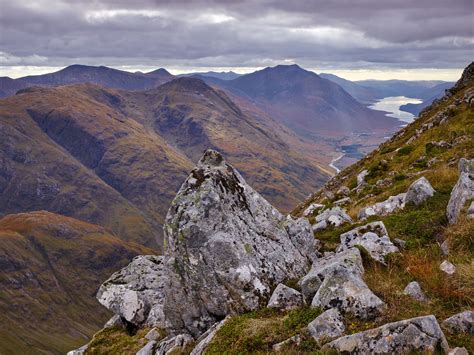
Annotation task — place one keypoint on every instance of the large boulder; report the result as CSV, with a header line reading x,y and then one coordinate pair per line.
x,y
461,323
226,249
350,294
463,191
285,298
349,260
416,335
335,216
419,191
373,237
384,208
327,326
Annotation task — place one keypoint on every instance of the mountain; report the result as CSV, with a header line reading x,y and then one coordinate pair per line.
x,y
51,268
307,104
223,75
78,74
379,260
116,158
428,96
387,88
362,94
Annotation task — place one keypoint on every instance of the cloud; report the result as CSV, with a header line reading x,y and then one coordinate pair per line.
x,y
335,34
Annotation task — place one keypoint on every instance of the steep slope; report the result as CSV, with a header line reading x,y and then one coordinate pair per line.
x,y
79,74
306,103
194,117
67,150
362,94
428,96
386,88
51,268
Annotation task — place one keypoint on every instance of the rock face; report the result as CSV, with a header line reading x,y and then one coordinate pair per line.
x,y
421,334
348,260
373,237
226,248
461,323
463,191
419,191
383,208
285,298
327,326
414,290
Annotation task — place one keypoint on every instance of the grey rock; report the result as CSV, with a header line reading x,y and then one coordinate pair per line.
x,y
447,267
421,334
206,338
444,246
414,290
348,293
463,191
349,260
470,211
327,326
153,334
285,298
461,323
173,343
335,216
312,208
115,321
344,191
148,349
342,201
361,177
80,351
400,243
384,208
320,226
458,351
373,237
419,191
281,346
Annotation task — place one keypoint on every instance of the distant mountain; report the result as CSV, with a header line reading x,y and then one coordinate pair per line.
x,y
80,74
387,88
428,96
51,267
362,94
224,75
307,103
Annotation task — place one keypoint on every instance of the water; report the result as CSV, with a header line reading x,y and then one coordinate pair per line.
x,y
392,106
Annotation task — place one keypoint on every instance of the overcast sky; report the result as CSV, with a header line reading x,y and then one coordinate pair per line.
x,y
406,39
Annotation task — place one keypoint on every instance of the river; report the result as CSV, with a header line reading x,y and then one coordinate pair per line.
x,y
392,106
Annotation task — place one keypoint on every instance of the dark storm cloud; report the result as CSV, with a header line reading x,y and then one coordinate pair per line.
x,y
337,33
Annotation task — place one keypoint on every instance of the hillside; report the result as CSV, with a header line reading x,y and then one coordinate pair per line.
x,y
408,88
428,96
396,278
361,93
51,268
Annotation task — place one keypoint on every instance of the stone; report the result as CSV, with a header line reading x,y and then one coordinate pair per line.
x,y
384,208
335,216
444,246
312,208
206,338
320,226
148,349
173,343
373,237
348,293
361,177
281,346
447,268
461,323
349,260
470,211
458,351
463,191
285,298
419,191
400,243
115,321
414,290
327,326
153,334
226,249
342,201
80,351
344,191
415,335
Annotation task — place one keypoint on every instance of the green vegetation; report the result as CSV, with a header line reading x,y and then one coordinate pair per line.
x,y
117,341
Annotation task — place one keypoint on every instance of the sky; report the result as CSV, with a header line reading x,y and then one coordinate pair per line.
x,y
355,39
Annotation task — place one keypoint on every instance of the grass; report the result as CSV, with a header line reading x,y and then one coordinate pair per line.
x,y
116,340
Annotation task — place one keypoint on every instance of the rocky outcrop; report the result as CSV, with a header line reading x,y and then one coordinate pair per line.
x,y
327,326
312,208
285,298
419,191
421,334
384,208
461,323
373,237
335,216
148,349
173,344
414,290
463,191
205,339
226,249
349,260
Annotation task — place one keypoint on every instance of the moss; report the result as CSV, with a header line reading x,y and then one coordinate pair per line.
x,y
248,249
406,150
